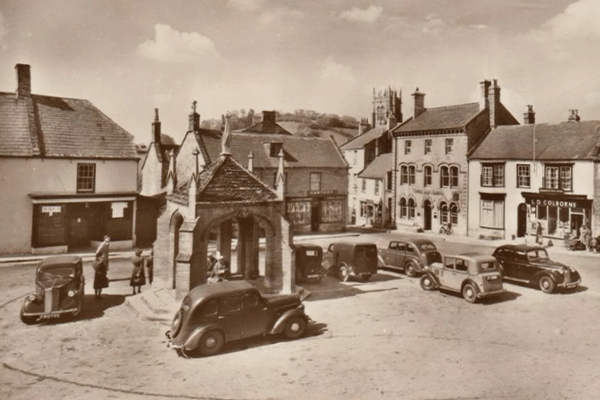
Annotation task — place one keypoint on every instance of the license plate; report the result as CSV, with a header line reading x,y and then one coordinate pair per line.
x,y
49,316
571,285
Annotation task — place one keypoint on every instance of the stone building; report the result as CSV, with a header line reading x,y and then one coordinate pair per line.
x,y
430,153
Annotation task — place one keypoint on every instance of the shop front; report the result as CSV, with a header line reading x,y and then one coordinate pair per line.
x,y
316,213
559,214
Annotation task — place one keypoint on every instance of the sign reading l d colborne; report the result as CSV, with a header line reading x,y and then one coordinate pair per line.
x,y
556,201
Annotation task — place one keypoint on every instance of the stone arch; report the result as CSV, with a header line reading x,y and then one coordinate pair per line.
x,y
174,225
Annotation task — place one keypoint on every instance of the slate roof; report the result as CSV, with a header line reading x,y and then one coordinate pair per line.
x,y
563,141
299,152
269,127
358,142
441,118
226,181
48,126
379,167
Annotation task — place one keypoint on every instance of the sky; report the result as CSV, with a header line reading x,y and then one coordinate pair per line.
x,y
129,57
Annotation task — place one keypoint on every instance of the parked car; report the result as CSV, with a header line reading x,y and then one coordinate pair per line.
x,y
308,259
213,315
59,284
530,264
346,259
473,275
410,255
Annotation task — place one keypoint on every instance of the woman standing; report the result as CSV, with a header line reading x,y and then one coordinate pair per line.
x,y
100,277
138,276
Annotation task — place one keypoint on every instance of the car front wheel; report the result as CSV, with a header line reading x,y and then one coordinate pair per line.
x,y
410,269
427,282
546,284
211,343
469,293
295,327
344,273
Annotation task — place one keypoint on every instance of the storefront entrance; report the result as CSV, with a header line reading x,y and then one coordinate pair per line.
x,y
559,214
521,220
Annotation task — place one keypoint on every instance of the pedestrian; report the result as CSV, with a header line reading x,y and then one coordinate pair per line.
x,y
100,265
150,266
138,277
585,237
538,233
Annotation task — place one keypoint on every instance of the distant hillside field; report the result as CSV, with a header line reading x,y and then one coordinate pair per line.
x,y
340,135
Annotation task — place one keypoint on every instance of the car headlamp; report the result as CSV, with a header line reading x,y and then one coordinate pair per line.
x,y
71,293
32,298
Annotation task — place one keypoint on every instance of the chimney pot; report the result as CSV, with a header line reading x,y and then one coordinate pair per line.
x,y
484,100
529,116
419,99
23,80
194,119
156,131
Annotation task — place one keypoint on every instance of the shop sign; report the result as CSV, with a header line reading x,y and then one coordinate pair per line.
x,y
315,192
117,209
554,203
51,209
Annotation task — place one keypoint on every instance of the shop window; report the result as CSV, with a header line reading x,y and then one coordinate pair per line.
x,y
427,175
559,177
299,212
86,177
542,212
449,146
315,181
492,213
427,146
403,208
454,213
411,174
407,146
332,210
411,209
492,175
404,175
444,213
523,176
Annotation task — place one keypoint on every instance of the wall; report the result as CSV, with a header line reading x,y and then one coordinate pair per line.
x,y
355,159
151,173
20,177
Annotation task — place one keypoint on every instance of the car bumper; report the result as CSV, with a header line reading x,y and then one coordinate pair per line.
x,y
50,315
491,293
569,285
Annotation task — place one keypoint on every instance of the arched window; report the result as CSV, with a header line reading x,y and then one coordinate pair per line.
x,y
411,209
427,175
404,175
444,177
444,213
403,209
411,174
453,177
454,213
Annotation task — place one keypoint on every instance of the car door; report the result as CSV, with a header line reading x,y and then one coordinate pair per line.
x,y
328,258
256,316
400,254
456,273
230,316
506,260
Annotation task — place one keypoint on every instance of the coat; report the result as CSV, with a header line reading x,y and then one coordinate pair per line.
x,y
100,274
138,276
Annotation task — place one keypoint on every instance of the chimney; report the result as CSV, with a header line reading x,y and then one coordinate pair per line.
x,y
494,103
23,80
574,116
269,116
483,100
226,138
156,127
391,122
251,162
194,119
419,102
529,116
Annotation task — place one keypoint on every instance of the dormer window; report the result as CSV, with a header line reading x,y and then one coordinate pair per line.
x,y
276,148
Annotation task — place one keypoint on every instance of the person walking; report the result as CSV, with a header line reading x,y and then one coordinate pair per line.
x,y
150,266
138,276
538,233
585,236
100,265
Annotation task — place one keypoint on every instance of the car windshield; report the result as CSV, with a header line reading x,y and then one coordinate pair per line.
x,y
428,246
538,254
58,272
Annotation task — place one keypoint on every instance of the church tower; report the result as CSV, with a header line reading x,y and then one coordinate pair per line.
x,y
386,103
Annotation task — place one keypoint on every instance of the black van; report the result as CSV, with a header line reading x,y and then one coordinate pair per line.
x,y
346,258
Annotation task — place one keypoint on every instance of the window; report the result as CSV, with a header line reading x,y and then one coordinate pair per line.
x,y
449,146
364,185
449,262
427,146
523,176
444,213
444,177
275,149
411,174
492,175
86,177
411,209
427,175
453,177
376,186
461,265
315,181
454,213
492,213
389,180
403,208
559,177
407,146
231,305
404,175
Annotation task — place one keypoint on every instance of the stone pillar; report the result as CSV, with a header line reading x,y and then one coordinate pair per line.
x,y
250,248
287,270
224,240
187,262
241,246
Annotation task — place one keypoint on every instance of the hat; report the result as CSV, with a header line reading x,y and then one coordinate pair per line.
x,y
217,255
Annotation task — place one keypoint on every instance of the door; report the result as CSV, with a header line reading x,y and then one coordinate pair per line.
x,y
315,216
455,274
230,316
521,220
256,317
400,254
79,235
427,215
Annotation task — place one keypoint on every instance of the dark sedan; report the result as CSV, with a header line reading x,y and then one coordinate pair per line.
x,y
410,255
530,264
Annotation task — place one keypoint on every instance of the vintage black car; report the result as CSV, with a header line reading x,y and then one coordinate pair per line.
x,y
346,259
530,264
213,315
409,255
308,259
59,290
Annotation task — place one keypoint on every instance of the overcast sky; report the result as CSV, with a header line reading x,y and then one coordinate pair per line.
x,y
131,56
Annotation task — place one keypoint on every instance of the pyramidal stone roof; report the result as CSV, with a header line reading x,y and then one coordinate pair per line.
x,y
226,181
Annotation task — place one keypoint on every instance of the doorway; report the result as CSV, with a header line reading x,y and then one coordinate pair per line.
x,y
427,215
315,216
521,220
